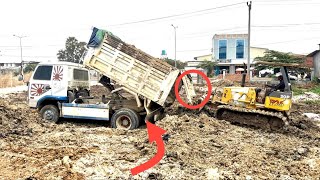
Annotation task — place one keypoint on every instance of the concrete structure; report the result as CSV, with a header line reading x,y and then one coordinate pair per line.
x,y
230,51
197,61
9,65
315,58
195,65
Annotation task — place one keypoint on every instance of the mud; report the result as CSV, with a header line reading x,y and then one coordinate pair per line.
x,y
199,147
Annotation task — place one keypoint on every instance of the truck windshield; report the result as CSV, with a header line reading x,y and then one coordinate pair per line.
x,y
43,73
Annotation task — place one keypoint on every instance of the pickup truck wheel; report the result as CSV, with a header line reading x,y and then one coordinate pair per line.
x,y
125,119
50,113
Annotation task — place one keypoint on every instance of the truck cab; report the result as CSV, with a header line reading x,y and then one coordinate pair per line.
x,y
56,82
62,89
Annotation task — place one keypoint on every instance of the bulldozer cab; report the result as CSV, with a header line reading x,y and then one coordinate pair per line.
x,y
280,100
283,71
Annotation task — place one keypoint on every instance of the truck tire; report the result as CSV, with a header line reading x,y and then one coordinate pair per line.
x,y
50,113
125,119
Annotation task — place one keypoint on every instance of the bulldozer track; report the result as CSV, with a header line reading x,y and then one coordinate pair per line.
x,y
252,117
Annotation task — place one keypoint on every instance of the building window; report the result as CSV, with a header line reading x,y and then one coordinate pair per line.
x,y
222,49
240,49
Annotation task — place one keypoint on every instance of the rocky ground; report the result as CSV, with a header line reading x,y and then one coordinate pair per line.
x,y
199,147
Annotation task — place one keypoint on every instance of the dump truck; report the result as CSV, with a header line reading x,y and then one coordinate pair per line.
x,y
123,68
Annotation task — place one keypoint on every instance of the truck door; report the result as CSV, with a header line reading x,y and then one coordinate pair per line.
x,y
59,85
40,84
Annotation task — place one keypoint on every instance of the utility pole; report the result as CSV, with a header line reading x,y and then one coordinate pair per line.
x,y
175,45
249,3
20,37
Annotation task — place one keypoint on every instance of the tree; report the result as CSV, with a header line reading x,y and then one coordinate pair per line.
x,y
180,64
278,57
209,66
30,67
73,50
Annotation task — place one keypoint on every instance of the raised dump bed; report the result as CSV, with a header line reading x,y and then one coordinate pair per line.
x,y
136,71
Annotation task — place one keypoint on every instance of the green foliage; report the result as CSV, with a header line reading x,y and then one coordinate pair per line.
x,y
16,73
316,89
316,80
313,102
180,64
73,50
209,66
298,91
29,68
275,56
280,57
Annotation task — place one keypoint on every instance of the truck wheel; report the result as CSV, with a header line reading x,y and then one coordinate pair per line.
x,y
50,113
125,119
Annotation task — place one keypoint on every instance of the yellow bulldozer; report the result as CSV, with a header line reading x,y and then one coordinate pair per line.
x,y
265,107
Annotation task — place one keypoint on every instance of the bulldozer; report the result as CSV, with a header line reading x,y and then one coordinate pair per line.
x,y
264,107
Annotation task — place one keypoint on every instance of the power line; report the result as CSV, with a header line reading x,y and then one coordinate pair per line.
x,y
193,50
177,15
14,46
286,25
28,56
279,42
285,3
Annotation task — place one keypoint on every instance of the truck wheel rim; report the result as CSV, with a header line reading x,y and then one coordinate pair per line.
x,y
123,122
48,115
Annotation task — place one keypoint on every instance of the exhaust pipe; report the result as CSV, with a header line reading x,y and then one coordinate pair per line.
x,y
243,80
244,74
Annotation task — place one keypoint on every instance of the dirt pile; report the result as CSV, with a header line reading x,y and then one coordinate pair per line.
x,y
223,83
307,96
199,147
15,117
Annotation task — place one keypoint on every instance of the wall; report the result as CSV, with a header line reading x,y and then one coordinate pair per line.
x,y
9,65
231,48
204,58
316,64
257,52
308,62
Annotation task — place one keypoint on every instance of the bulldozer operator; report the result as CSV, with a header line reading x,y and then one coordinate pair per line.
x,y
261,94
281,84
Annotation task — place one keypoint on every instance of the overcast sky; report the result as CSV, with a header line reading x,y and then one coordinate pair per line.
x,y
284,25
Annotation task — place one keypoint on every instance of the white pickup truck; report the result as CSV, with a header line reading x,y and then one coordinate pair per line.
x,y
62,89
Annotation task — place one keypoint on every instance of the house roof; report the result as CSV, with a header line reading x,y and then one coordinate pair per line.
x,y
252,47
61,63
313,53
202,56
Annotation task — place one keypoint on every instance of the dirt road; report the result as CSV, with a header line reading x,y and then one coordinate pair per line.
x,y
199,147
